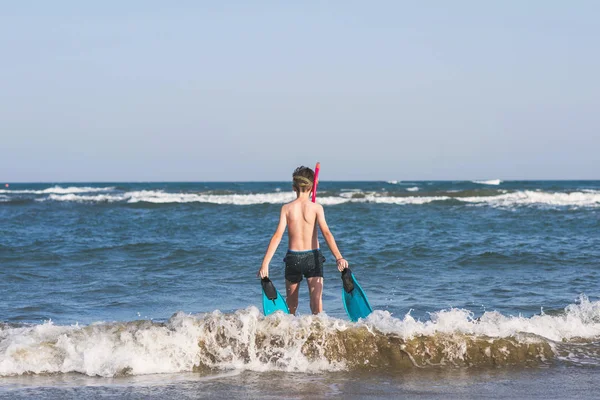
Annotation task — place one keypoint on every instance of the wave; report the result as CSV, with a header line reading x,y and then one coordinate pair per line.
x,y
151,196
413,189
246,340
529,197
59,190
489,182
402,200
505,200
101,198
502,199
159,197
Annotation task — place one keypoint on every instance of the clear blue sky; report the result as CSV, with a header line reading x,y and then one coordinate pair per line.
x,y
247,90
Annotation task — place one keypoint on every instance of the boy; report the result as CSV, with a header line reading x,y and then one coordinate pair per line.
x,y
303,256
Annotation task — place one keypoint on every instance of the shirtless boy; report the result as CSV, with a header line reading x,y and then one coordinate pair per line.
x,y
303,257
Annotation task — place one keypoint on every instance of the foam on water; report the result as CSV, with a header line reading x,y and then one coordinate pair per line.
x,y
101,349
489,182
402,200
59,190
580,320
99,198
504,199
237,199
159,197
246,340
529,197
507,200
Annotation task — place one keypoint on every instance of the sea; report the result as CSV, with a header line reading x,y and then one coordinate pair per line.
x,y
480,289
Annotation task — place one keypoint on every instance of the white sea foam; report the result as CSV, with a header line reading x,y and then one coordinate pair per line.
x,y
142,347
581,320
402,200
513,199
245,340
99,198
159,197
489,182
235,199
505,199
413,189
349,194
100,349
529,197
59,190
334,201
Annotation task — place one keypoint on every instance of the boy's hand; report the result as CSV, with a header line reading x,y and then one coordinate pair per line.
x,y
342,264
263,272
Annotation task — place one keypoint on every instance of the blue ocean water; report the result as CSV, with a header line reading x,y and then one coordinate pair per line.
x,y
128,279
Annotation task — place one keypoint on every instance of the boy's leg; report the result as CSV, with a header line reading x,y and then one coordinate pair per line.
x,y
291,299
315,288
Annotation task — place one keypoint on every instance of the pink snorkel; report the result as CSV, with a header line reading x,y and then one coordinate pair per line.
x,y
316,182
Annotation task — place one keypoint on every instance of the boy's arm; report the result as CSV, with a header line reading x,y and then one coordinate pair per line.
x,y
264,269
341,262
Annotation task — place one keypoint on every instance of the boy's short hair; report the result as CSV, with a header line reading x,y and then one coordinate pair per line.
x,y
303,178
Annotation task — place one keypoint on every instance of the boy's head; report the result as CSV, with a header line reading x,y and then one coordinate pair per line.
x,y
303,178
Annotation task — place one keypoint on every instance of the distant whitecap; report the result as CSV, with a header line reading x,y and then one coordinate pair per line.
x,y
503,199
60,190
489,182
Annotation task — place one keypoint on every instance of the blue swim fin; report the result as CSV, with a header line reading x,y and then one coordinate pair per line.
x,y
355,300
271,299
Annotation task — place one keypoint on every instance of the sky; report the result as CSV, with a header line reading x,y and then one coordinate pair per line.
x,y
248,90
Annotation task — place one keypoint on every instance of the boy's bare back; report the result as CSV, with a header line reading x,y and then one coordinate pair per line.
x,y
302,218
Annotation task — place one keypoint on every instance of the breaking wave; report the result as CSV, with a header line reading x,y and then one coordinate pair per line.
x,y
246,340
512,199
529,197
489,182
490,197
59,190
